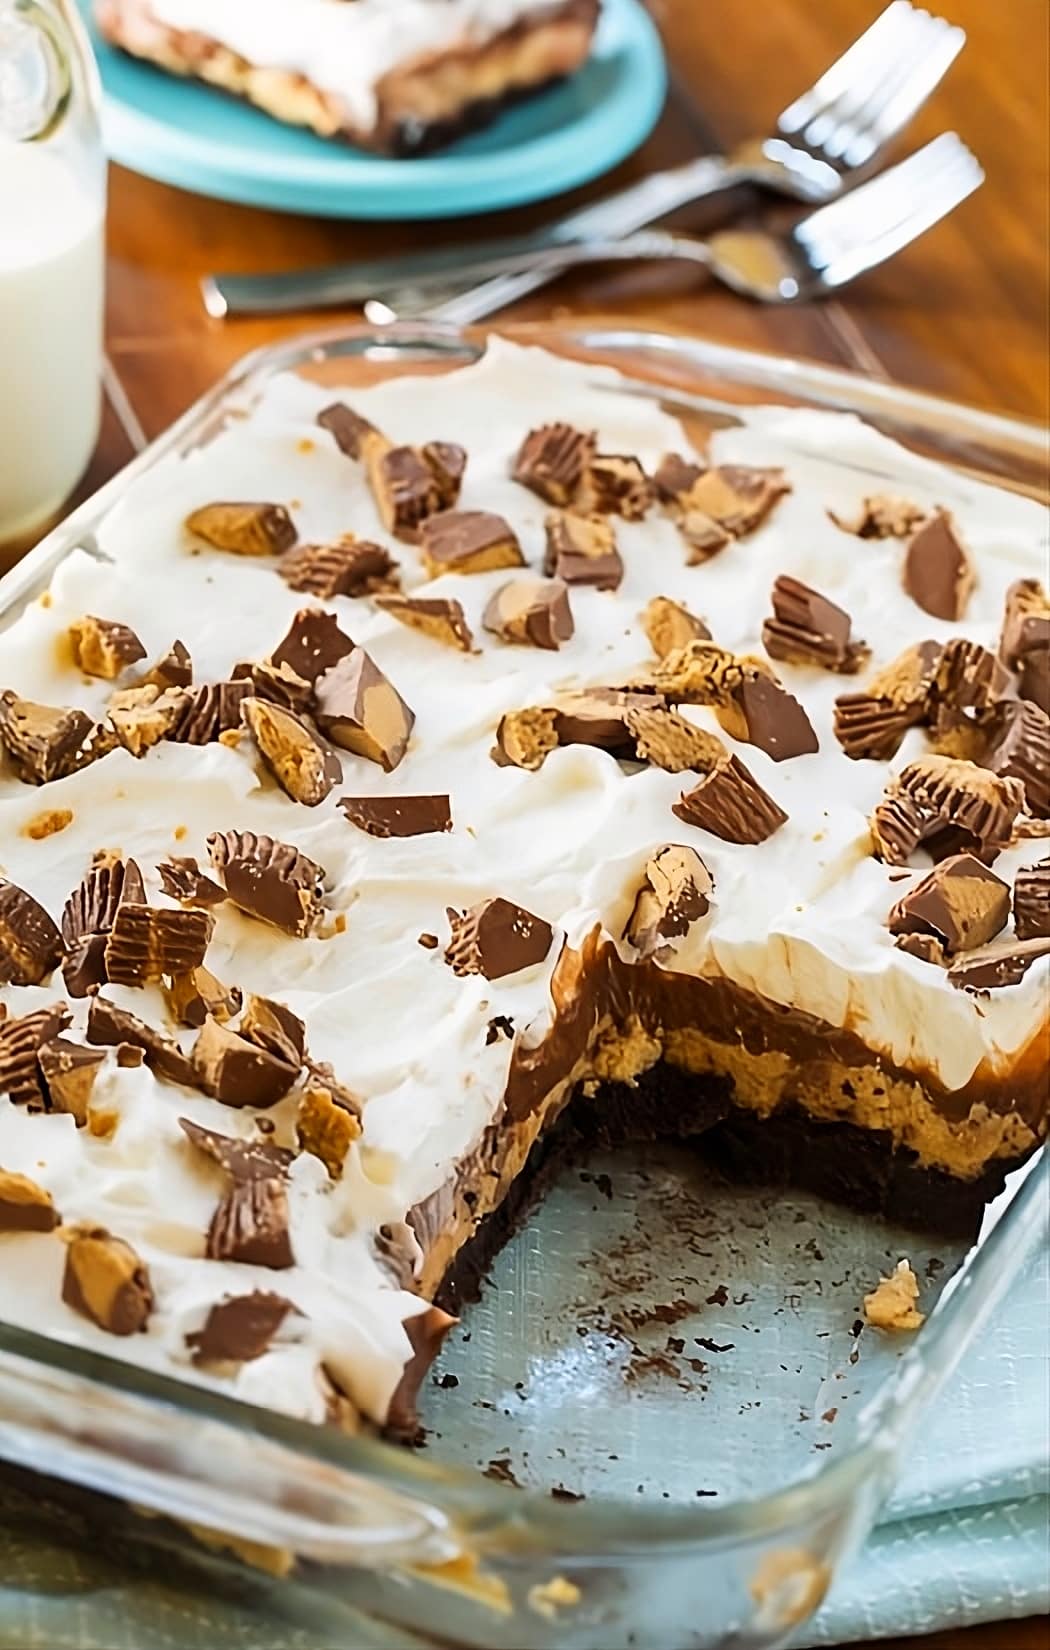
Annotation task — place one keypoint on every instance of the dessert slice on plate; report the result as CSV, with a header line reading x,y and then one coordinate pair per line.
x,y
395,76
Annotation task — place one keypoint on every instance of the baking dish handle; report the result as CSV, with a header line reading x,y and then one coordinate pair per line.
x,y
206,1471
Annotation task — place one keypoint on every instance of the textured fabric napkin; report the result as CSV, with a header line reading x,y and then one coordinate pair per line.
x,y
964,1539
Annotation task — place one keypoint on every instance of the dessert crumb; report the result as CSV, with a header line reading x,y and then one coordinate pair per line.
x,y
49,823
180,832
548,1597
891,1305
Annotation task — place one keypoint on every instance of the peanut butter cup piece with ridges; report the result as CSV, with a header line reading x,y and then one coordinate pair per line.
x,y
303,764
700,673
615,484
938,573
440,617
45,742
251,1225
668,626
948,807
278,685
871,724
105,1280
240,1328
244,529
582,550
447,463
268,879
882,516
142,716
496,938
183,880
1002,963
1031,901
405,489
347,428
675,893
24,1205
211,710
103,647
30,943
326,1129
1017,746
274,1027
808,629
961,903
239,1072
551,461
313,644
468,541
968,677
70,1071
398,816
360,710
193,996
346,566
88,917
111,1027
731,804
525,738
763,713
534,612
148,942
1024,645
20,1042
666,740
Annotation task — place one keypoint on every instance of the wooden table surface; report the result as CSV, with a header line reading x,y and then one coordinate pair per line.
x,y
963,313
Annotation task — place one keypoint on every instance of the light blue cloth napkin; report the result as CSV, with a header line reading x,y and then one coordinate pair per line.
x,y
964,1539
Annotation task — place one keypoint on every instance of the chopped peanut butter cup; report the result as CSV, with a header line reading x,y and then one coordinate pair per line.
x,y
676,893
468,541
325,1128
240,1328
439,617
599,716
948,807
731,804
172,669
763,713
111,1027
237,1071
390,816
88,917
347,428
251,1225
675,476
496,938
25,1206
142,716
274,1027
211,710
1031,901
666,740
615,484
102,647
1024,645
535,612
70,1071
242,1159
193,996
808,629
525,738
278,685
582,550
20,1043
361,711
347,566
872,723
147,942
938,574
961,903
738,497
244,529
1016,744
183,879
968,677
1002,963
30,943
668,626
268,879
882,516
314,643
551,461
105,1280
305,767
44,742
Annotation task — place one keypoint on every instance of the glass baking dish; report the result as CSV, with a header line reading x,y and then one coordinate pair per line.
x,y
632,1492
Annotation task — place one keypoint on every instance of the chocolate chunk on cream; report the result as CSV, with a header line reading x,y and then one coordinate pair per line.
x,y
938,573
582,550
440,617
239,1328
25,1206
948,806
535,612
103,647
731,804
496,938
244,529
675,893
1031,901
361,711
346,566
106,1281
398,816
20,1041
30,943
313,644
268,879
808,629
962,903
468,541
552,459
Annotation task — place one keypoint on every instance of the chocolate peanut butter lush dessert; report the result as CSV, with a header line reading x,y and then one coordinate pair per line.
x,y
399,76
408,783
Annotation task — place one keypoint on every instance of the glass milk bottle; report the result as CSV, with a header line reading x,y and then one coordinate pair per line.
x,y
52,210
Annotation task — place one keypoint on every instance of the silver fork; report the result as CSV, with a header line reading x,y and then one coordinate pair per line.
x,y
832,246
842,125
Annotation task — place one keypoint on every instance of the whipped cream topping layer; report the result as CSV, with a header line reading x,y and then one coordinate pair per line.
x,y
344,46
799,919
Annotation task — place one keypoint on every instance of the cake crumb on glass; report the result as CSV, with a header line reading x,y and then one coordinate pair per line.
x,y
891,1304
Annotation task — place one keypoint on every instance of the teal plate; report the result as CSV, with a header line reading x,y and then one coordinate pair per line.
x,y
188,134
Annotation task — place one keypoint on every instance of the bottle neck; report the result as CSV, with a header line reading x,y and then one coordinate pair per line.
x,y
36,76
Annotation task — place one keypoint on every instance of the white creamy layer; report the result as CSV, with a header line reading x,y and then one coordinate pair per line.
x,y
800,919
344,46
